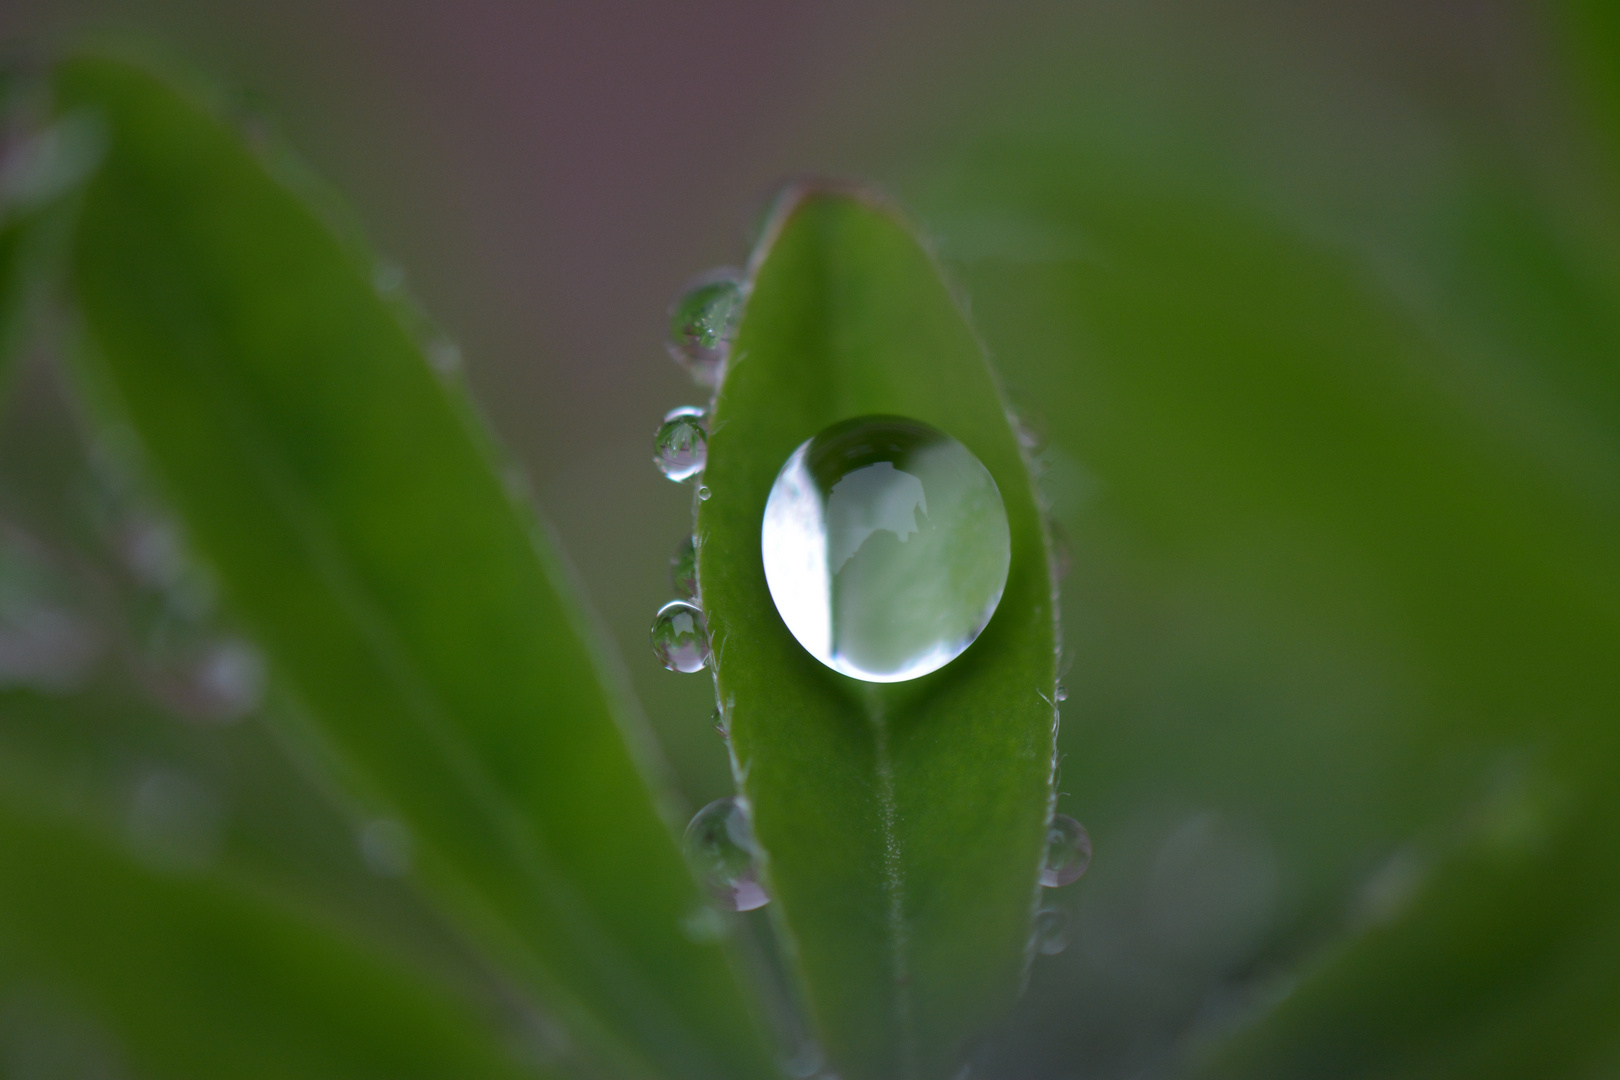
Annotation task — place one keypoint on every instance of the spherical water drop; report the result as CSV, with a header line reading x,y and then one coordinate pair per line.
x,y
703,323
1060,693
681,443
1068,851
886,547
680,637
683,569
1051,931
703,493
720,842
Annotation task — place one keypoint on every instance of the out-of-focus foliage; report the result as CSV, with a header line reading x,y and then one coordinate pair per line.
x,y
434,661
1592,38
1335,422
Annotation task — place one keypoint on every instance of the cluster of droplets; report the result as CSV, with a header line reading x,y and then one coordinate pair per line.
x,y
180,654
702,326
1066,857
720,839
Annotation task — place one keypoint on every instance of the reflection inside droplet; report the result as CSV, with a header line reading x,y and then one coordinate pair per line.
x,y
680,637
1068,851
720,842
703,322
681,444
683,569
886,547
1051,931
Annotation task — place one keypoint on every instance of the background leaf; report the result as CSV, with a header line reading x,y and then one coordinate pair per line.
x,y
1333,424
111,964
351,506
903,823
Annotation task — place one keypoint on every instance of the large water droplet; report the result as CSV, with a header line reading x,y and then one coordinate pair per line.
x,y
703,323
886,547
720,842
1051,931
683,569
1068,851
680,637
681,444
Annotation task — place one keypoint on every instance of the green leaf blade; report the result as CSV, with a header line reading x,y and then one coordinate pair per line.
x,y
198,976
349,500
903,824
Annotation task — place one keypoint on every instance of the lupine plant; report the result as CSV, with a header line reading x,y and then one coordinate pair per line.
x,y
451,846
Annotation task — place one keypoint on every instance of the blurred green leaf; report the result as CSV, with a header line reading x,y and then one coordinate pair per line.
x,y
1520,983
1336,432
902,823
352,505
1594,26
182,974
11,295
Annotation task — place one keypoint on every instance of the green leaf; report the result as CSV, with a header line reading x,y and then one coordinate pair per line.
x,y
195,976
1520,985
351,503
1344,541
902,823
12,301
1592,32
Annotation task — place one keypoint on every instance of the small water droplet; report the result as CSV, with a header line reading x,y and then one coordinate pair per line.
x,y
44,164
444,355
703,323
46,641
387,276
683,569
1051,931
703,493
386,847
198,674
805,1063
886,547
1060,693
1068,852
680,637
681,444
720,842
718,719
173,823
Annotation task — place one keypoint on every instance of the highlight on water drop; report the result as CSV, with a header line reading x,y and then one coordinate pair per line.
x,y
703,323
682,443
886,547
680,637
1068,852
720,843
